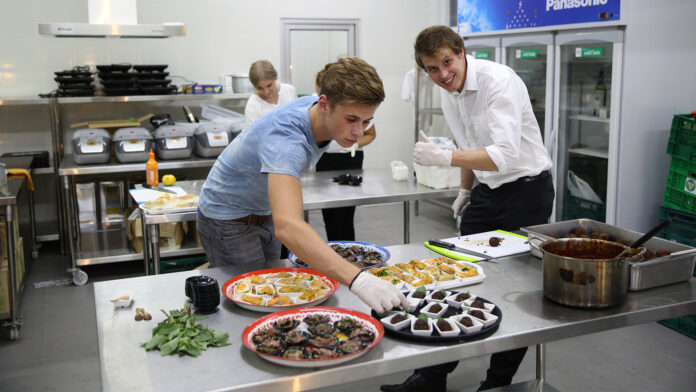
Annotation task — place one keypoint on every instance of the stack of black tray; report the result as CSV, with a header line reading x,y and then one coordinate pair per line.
x,y
77,82
118,79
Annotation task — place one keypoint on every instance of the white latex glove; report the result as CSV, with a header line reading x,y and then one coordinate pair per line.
x,y
378,294
461,202
352,150
426,153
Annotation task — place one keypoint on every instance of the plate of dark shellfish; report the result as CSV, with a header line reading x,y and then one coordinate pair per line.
x,y
312,337
441,315
362,254
270,290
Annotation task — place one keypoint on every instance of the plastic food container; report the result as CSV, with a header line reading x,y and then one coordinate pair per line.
x,y
399,171
174,142
122,299
132,144
438,177
212,138
91,146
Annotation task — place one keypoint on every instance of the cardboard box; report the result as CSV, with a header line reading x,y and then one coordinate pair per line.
x,y
172,242
3,234
4,290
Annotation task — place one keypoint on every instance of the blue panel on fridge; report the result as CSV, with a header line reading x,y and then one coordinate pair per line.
x,y
474,16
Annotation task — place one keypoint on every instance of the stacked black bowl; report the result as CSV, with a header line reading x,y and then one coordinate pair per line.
x,y
203,291
117,80
77,82
152,80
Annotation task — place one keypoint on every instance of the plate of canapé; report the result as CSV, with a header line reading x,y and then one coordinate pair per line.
x,y
274,289
312,337
442,315
361,254
439,272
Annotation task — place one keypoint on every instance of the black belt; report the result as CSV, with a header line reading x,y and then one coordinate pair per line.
x,y
256,219
539,176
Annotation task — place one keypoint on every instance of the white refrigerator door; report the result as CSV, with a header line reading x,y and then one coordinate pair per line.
x,y
587,87
484,48
532,58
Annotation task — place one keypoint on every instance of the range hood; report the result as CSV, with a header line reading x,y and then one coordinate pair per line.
x,y
112,18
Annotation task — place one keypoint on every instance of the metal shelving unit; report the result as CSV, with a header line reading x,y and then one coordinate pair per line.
x,y
111,246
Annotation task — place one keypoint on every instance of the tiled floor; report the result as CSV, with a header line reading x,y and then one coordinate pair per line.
x,y
57,349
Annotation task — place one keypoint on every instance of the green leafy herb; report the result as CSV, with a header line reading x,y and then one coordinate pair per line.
x,y
180,334
421,288
443,291
385,272
423,317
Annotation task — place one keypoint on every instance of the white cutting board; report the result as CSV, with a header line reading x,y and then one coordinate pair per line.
x,y
511,244
145,195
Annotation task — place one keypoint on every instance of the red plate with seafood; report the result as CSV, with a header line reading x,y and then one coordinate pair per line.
x,y
274,289
312,337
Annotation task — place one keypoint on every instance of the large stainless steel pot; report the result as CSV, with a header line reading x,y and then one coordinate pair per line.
x,y
582,272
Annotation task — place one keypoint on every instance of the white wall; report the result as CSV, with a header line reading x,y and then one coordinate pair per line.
x,y
659,81
222,36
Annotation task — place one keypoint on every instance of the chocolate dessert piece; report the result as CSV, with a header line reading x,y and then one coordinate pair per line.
x,y
462,297
435,308
440,294
444,325
478,304
494,241
466,321
420,325
478,314
398,318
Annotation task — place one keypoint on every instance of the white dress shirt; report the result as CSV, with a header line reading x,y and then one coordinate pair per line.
x,y
493,112
257,107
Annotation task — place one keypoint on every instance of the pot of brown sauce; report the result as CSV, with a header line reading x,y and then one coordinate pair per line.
x,y
585,272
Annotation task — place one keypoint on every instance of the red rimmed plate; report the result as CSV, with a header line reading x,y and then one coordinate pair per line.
x,y
228,289
334,314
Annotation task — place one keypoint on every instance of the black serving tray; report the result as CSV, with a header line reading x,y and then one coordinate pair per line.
x,y
151,75
154,82
74,79
150,68
114,68
405,333
117,83
116,75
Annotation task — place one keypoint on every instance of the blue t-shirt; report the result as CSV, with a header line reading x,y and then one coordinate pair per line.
x,y
279,142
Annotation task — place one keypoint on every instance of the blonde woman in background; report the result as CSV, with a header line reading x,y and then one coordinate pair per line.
x,y
269,93
338,222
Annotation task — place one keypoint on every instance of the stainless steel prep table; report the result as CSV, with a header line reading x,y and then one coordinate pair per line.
x,y
114,247
8,200
513,283
318,191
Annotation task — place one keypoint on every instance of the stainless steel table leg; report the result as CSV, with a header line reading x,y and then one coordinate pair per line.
x,y
146,243
14,322
407,222
154,242
32,221
67,197
541,362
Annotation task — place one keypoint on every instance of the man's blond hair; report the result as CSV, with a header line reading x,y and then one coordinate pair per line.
x,y
351,80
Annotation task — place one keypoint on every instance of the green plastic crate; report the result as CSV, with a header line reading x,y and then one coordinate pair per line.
x,y
681,181
683,226
682,138
685,325
578,208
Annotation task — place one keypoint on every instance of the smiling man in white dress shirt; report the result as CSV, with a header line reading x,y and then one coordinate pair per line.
x,y
488,110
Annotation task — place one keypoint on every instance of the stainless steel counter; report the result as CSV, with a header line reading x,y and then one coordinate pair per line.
x,y
68,167
513,283
318,191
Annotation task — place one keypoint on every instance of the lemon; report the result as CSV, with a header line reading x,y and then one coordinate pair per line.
x,y
168,179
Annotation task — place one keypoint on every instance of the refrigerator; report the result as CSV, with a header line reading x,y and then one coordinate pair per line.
x,y
573,80
532,58
585,134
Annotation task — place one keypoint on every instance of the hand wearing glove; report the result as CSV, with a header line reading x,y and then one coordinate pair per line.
x,y
426,153
461,202
377,293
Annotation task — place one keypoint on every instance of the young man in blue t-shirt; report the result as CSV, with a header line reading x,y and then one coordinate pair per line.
x,y
252,198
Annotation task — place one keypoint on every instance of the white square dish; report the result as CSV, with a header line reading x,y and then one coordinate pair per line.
x,y
457,304
474,328
386,321
429,297
419,300
422,332
434,315
455,329
490,318
488,306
